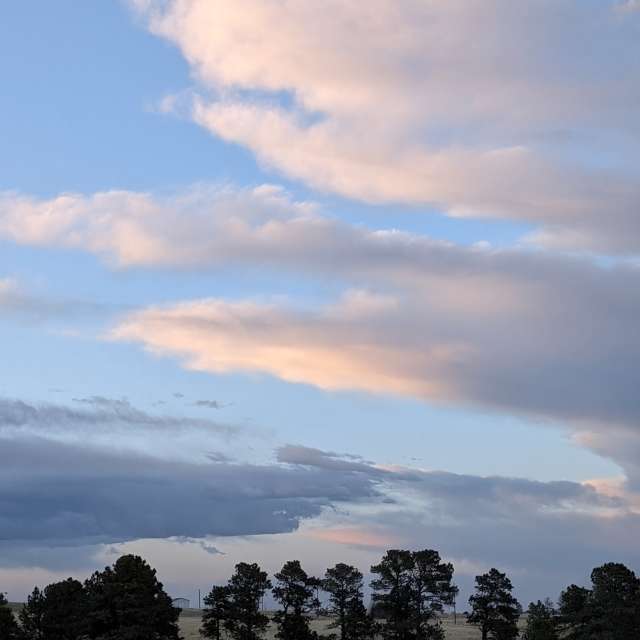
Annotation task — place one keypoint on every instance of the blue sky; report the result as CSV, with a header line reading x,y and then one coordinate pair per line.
x,y
414,349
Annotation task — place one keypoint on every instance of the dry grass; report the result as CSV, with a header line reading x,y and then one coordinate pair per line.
x,y
190,624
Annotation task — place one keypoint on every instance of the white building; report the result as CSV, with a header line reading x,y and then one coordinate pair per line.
x,y
180,603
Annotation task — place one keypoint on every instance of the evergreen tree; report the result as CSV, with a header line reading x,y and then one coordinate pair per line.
x,y
343,583
615,601
9,629
245,591
127,602
64,611
609,611
575,613
412,589
32,616
542,622
296,593
392,593
494,609
431,590
215,613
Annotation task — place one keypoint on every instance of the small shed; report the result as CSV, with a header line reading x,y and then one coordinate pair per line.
x,y
180,603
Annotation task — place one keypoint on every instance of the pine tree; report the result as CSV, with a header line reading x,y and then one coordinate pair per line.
x,y
392,593
412,589
9,629
431,590
343,583
494,609
610,610
64,613
245,591
216,612
127,602
296,593
542,623
32,616
615,600
575,613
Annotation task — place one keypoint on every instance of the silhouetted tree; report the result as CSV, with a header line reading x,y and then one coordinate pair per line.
x,y
431,589
57,613
127,602
494,609
296,593
615,600
215,613
609,611
247,586
412,589
32,616
343,583
8,626
392,593
575,613
542,623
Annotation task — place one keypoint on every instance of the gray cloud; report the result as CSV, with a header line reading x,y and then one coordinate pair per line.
x,y
57,497
103,413
209,404
63,494
549,336
546,534
328,460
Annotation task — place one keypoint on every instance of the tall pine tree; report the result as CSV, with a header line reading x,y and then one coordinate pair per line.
x,y
494,609
245,590
344,585
296,593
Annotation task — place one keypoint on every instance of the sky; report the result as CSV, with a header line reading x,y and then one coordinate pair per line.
x,y
286,280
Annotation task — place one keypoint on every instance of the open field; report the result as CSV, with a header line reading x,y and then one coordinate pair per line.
x,y
190,623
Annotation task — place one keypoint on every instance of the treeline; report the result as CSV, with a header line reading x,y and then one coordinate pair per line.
x,y
410,591
123,602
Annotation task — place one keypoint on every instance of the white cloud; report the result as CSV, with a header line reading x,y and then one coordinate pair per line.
x,y
138,229
516,110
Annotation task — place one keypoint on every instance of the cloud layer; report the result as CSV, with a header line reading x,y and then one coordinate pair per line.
x,y
520,111
516,331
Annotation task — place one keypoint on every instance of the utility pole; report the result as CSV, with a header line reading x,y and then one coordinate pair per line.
x,y
199,607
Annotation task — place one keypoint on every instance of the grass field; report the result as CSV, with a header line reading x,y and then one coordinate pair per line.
x,y
190,623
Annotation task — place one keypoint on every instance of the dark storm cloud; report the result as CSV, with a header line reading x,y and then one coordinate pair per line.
x,y
61,493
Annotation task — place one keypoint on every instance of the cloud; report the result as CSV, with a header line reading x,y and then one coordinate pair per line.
x,y
62,503
328,460
62,494
209,404
17,303
132,229
109,412
116,425
389,101
528,527
525,333
511,330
